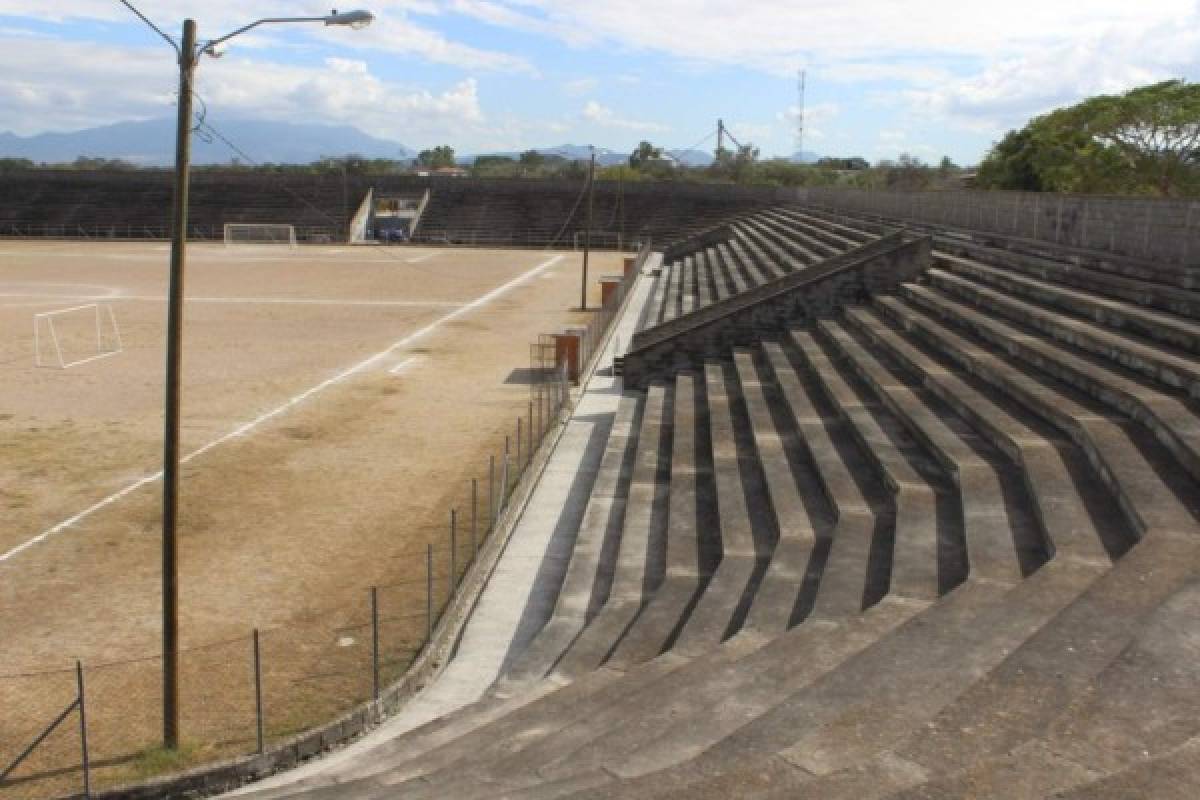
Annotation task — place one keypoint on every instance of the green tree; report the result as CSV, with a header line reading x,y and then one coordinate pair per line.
x,y
644,154
1143,141
15,164
440,156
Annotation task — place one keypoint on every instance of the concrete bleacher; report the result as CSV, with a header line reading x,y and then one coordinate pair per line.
x,y
137,204
939,540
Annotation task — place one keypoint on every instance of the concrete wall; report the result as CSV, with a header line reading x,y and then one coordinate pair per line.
x,y
1166,231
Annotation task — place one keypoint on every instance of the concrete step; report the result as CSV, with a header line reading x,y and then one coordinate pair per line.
x,y
819,248
641,528
660,721
837,233
770,263
722,284
798,515
860,504
1160,326
1171,420
1002,540
1081,520
928,530
674,293
1141,475
1181,302
745,533
1156,361
704,280
737,274
755,274
687,571
688,293
1171,776
1112,682
866,704
785,260
797,247
590,570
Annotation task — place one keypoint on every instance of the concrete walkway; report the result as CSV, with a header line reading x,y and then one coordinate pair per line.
x,y
519,596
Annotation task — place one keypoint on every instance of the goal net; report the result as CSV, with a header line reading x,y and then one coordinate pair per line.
x,y
69,337
262,233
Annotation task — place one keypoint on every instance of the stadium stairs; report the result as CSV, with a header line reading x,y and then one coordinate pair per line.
x,y
933,534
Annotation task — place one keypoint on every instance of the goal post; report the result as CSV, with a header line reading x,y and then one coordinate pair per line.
x,y
68,337
259,233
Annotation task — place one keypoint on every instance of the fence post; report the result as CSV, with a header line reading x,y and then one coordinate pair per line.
x,y
520,439
258,695
504,475
428,594
474,520
491,493
83,739
375,643
529,429
450,592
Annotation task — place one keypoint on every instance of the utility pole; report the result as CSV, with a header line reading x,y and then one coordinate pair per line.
x,y
170,505
720,137
587,234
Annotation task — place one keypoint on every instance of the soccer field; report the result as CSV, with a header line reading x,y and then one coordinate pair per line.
x,y
336,404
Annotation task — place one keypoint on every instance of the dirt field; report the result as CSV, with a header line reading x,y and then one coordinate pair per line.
x,y
332,415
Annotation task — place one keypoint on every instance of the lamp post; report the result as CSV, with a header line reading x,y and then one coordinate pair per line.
x,y
189,56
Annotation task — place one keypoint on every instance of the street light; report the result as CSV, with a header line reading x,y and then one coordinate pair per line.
x,y
189,55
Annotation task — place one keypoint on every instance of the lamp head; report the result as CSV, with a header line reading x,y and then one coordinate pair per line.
x,y
353,19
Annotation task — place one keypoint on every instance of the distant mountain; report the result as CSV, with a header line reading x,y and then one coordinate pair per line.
x,y
571,152
804,157
152,143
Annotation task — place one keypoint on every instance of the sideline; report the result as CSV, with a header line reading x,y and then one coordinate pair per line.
x,y
242,430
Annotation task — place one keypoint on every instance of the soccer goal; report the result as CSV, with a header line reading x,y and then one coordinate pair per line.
x,y
69,337
261,233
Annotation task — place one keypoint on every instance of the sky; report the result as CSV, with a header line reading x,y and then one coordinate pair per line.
x,y
925,77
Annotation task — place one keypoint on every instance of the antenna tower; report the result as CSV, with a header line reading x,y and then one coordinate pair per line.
x,y
800,118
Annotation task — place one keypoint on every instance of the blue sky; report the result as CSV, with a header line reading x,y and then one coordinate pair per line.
x,y
928,77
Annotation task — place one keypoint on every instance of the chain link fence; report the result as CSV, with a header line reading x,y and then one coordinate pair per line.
x,y
244,695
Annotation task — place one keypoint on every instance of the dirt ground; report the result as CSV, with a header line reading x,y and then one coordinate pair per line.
x,y
329,442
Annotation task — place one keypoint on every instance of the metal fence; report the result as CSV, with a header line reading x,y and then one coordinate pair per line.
x,y
1157,229
242,695
245,694
315,234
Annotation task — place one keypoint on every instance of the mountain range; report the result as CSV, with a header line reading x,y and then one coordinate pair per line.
x,y
152,143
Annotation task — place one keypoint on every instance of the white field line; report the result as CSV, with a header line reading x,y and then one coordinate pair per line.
x,y
245,428
419,259
403,365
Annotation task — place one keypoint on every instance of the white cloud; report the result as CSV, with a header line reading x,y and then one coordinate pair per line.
x,y
580,86
1009,91
598,114
40,90
393,30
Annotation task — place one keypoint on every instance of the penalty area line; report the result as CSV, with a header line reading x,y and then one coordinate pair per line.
x,y
247,427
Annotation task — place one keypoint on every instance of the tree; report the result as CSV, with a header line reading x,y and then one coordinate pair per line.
x,y
644,155
1010,164
440,156
532,159
1145,140
15,164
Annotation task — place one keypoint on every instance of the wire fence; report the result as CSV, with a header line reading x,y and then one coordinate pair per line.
x,y
247,694
241,696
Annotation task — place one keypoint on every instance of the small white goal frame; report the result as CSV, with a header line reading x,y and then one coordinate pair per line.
x,y
105,346
286,233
